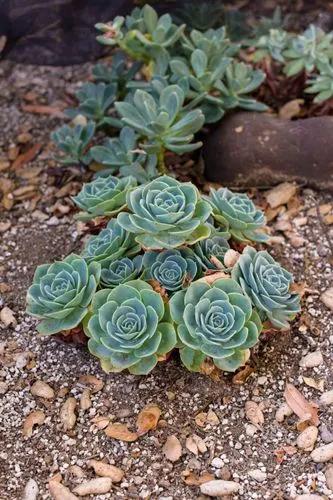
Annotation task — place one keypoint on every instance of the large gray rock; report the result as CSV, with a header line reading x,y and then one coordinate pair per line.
x,y
256,149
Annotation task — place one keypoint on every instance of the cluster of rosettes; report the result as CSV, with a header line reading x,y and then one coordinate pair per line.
x,y
157,277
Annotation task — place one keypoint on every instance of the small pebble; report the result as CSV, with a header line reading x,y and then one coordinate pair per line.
x,y
258,475
311,360
219,487
307,438
323,453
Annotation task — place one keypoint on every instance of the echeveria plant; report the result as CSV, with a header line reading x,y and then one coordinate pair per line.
x,y
110,244
308,50
130,327
122,155
215,246
216,321
267,284
104,196
321,84
271,45
121,270
171,269
237,214
74,142
166,213
162,123
61,293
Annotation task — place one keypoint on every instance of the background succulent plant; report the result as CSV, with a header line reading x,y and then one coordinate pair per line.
x,y
122,155
203,78
162,123
267,284
321,84
172,269
240,80
121,270
95,102
74,142
213,42
215,246
166,213
104,196
215,321
271,45
118,73
130,328
307,50
237,214
61,293
110,244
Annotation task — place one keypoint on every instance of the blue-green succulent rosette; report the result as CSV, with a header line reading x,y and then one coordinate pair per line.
x,y
216,321
130,328
237,214
214,246
172,269
121,270
166,213
105,196
61,293
110,244
267,284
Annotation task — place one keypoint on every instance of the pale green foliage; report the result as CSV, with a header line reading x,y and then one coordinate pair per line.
x,y
121,270
171,269
95,102
271,45
215,246
308,50
130,327
74,142
110,244
162,123
237,214
104,196
166,213
215,321
321,84
61,293
267,284
122,155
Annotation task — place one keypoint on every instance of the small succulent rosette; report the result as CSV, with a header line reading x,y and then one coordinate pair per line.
x,y
216,321
61,293
237,214
171,269
121,270
166,214
267,284
103,197
130,328
214,247
110,244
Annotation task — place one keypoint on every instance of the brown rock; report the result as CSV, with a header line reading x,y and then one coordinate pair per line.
x,y
257,149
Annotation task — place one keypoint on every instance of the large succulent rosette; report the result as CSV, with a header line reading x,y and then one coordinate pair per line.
x,y
216,321
166,214
172,269
236,213
130,327
104,196
267,284
110,244
61,293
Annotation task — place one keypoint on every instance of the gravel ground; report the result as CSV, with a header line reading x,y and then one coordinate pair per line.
x,y
264,459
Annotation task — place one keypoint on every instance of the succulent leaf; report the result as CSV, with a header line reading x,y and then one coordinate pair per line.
x,y
128,328
172,269
120,271
215,246
166,214
61,293
111,244
267,284
74,142
104,196
237,214
215,320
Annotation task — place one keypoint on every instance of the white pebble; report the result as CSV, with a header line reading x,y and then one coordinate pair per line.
x,y
307,438
218,487
311,360
258,475
31,490
323,453
217,463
